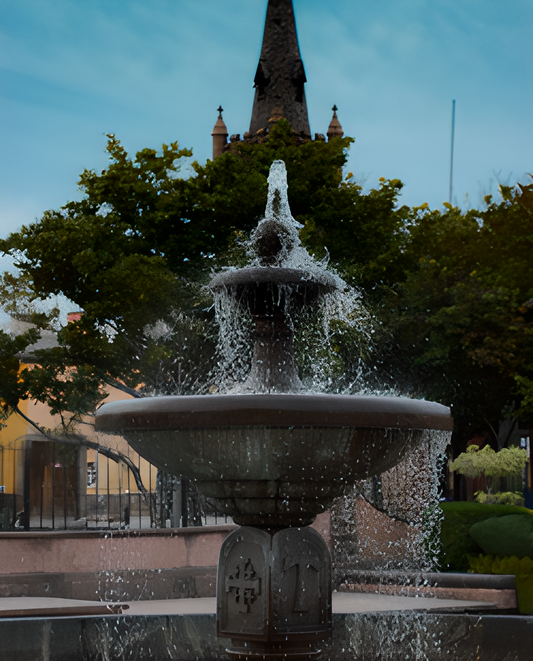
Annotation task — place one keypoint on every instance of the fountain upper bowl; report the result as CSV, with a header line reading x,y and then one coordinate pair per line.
x,y
273,459
276,409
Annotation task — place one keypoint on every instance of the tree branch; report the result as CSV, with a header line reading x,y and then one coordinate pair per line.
x,y
511,429
491,427
120,386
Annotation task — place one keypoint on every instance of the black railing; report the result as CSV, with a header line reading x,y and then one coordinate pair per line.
x,y
53,489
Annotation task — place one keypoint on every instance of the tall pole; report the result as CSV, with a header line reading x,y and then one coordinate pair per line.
x,y
451,155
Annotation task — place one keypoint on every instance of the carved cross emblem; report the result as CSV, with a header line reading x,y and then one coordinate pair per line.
x,y
246,584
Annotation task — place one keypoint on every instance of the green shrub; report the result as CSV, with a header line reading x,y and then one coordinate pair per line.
x,y
496,564
456,542
505,535
521,568
500,498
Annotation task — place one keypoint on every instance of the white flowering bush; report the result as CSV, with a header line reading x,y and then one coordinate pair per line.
x,y
490,464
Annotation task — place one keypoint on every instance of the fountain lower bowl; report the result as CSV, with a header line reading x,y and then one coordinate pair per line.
x,y
273,459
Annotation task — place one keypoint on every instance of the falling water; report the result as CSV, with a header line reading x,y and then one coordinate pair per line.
x,y
391,522
338,311
405,536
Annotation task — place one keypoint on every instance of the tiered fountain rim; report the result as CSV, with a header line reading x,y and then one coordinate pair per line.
x,y
275,275
273,410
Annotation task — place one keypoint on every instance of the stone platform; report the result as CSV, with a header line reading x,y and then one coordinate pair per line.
x,y
343,602
497,589
367,627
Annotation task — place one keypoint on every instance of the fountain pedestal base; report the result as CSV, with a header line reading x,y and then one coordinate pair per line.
x,y
274,593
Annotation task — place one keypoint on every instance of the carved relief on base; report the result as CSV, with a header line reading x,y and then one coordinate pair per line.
x,y
274,593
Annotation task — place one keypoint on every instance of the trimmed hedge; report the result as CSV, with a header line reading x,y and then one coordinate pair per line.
x,y
521,568
457,543
505,535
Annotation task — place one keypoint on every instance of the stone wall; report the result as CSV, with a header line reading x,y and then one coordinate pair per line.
x,y
391,636
117,565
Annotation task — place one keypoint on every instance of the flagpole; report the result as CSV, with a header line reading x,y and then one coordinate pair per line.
x,y
451,155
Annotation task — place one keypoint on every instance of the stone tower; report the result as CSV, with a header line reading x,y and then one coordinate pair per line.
x,y
279,85
280,77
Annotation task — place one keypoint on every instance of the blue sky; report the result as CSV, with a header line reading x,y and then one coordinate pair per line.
x,y
154,71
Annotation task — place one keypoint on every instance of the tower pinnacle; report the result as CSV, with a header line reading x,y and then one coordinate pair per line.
x,y
280,77
335,128
220,134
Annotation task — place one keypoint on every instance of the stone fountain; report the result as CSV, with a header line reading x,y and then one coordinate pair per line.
x,y
270,455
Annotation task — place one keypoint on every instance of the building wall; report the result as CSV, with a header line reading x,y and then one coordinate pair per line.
x,y
72,552
10,460
56,472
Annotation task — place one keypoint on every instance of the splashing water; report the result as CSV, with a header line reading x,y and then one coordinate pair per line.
x,y
277,200
275,243
234,344
278,218
391,522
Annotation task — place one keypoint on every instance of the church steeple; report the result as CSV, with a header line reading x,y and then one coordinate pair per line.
x,y
280,77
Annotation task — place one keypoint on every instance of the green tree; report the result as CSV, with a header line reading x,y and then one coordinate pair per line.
x,y
452,291
459,307
134,252
486,462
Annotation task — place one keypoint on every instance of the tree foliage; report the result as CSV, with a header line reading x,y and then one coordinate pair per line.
x,y
500,498
459,305
452,291
12,385
134,252
486,462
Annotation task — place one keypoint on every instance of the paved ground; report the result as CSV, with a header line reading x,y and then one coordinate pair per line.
x,y
50,606
342,603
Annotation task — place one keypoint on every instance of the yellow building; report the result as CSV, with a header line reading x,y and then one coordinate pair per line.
x,y
44,484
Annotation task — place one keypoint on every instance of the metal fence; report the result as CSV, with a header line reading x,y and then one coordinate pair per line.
x,y
47,486
466,488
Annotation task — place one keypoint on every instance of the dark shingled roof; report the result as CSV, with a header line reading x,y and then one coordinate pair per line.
x,y
280,78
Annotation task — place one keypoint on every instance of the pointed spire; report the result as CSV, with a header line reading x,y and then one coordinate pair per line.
x,y
280,77
335,128
220,134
